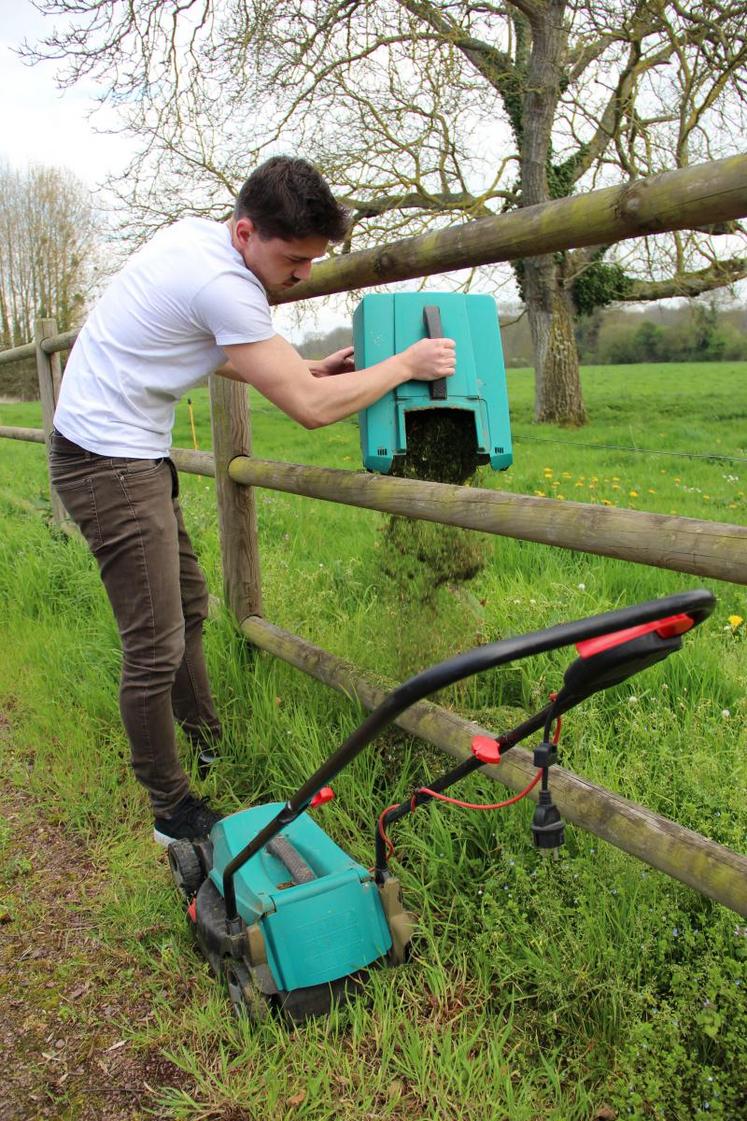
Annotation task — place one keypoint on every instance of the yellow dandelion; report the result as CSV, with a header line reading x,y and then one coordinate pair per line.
x,y
634,494
567,475
540,493
735,621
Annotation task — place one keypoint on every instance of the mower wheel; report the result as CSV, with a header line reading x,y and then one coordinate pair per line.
x,y
186,869
245,997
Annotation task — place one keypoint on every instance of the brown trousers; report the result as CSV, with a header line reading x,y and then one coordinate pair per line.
x,y
128,512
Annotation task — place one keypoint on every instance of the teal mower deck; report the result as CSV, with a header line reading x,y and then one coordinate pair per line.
x,y
290,920
384,324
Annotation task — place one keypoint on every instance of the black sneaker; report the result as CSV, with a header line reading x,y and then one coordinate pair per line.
x,y
192,821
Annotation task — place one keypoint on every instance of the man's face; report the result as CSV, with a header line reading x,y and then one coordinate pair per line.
x,y
279,264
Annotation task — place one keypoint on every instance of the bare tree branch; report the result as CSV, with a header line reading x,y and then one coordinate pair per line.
x,y
719,275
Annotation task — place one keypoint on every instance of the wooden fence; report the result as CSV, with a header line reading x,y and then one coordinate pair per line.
x,y
707,194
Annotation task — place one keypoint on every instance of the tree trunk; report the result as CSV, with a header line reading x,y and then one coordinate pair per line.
x,y
558,398
557,386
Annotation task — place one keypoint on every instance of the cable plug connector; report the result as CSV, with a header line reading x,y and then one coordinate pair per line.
x,y
545,754
547,825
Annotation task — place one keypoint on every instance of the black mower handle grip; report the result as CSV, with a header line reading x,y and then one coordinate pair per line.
x,y
434,330
697,604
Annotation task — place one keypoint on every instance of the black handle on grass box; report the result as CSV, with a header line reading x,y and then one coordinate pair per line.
x,y
434,330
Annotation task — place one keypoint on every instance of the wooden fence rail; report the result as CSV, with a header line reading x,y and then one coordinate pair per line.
x,y
17,353
696,196
714,549
691,197
30,435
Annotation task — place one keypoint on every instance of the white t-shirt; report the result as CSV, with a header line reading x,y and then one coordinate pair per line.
x,y
157,332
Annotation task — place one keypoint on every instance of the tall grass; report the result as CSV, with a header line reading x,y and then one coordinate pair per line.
x,y
538,990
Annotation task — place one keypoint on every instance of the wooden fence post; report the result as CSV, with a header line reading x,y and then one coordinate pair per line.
x,y
49,372
237,513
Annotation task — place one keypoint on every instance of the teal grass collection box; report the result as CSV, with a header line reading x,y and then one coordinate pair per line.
x,y
385,323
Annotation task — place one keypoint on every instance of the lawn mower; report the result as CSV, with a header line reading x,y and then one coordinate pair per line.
x,y
290,920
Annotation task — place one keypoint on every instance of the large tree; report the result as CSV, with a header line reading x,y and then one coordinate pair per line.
x,y
47,250
426,112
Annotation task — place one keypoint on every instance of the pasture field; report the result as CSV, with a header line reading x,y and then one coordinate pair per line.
x,y
585,989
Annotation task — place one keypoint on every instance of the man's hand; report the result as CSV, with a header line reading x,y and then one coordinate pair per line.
x,y
430,359
341,362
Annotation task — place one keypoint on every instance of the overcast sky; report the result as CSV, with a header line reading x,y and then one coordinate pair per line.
x,y
39,123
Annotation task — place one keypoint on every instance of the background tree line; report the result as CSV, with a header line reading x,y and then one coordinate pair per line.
x,y
48,256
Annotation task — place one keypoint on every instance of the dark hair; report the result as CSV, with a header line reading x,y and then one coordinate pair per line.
x,y
288,198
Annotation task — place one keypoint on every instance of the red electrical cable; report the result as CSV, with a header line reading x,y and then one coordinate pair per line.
x,y
475,805
466,805
383,833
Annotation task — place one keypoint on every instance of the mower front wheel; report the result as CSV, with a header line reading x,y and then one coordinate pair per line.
x,y
186,870
245,997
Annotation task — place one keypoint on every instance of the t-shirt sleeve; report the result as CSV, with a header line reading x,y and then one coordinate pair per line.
x,y
233,310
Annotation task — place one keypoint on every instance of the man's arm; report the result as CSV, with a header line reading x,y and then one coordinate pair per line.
x,y
341,362
277,370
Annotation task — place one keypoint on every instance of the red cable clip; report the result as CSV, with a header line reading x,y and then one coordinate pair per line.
x,y
487,750
326,794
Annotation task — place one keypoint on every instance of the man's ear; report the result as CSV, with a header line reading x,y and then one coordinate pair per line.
x,y
244,230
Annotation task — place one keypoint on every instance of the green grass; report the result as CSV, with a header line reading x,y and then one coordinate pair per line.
x,y
538,990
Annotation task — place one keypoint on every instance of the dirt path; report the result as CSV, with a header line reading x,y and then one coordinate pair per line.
x,y
61,991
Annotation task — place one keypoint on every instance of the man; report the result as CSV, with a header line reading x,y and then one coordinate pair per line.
x,y
192,301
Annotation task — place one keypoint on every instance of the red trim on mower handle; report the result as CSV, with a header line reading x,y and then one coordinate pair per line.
x,y
665,628
326,794
486,749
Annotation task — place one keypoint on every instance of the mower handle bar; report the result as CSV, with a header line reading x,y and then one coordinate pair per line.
x,y
698,604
